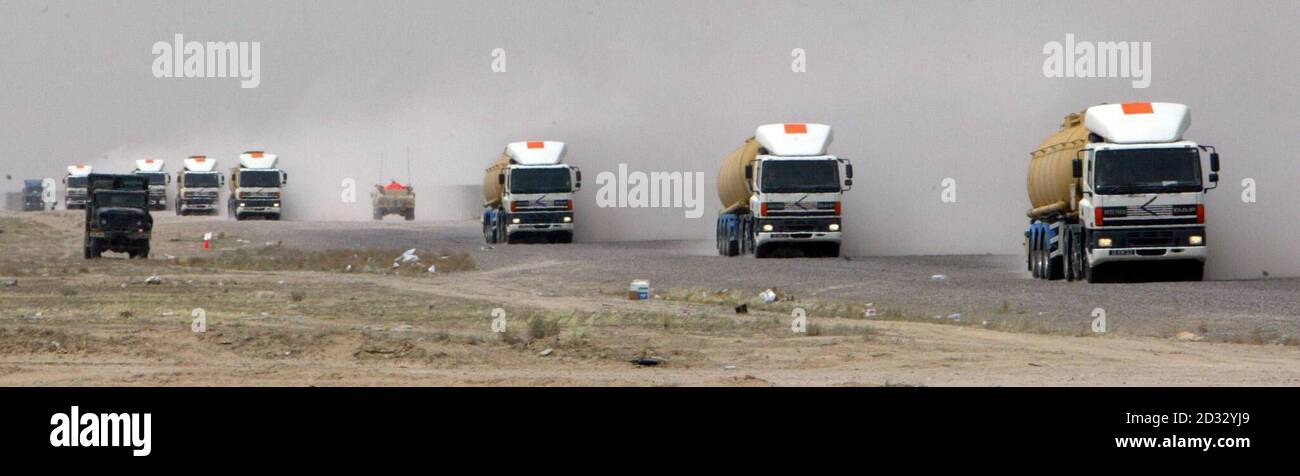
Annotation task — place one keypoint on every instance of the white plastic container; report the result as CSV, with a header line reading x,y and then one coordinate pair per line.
x,y
639,290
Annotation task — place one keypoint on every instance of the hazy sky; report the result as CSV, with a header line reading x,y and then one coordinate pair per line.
x,y
916,91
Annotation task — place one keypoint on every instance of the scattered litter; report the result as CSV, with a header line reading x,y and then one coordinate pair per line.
x,y
1188,336
443,257
639,290
485,248
768,296
956,316
433,268
742,309
728,367
1265,273
647,361
241,240
279,282
939,277
984,323
168,314
153,280
546,352
408,257
871,312
9,283
169,257
1035,364
348,269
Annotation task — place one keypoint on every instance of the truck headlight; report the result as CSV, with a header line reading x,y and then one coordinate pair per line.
x,y
834,227
1104,242
568,219
1195,240
767,227
242,204
277,205
514,220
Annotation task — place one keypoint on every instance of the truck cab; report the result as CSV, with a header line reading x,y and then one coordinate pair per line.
x,y
33,195
794,193
117,215
198,186
152,170
74,187
530,192
256,187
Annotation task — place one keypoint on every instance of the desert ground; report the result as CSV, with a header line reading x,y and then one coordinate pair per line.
x,y
321,303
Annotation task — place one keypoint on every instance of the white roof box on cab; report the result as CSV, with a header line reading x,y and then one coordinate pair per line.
x,y
79,170
149,165
257,160
536,152
199,163
794,139
1139,122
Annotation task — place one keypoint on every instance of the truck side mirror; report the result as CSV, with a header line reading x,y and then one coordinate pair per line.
x,y
284,177
1214,177
169,178
501,179
749,172
848,171
578,185
1214,162
1076,167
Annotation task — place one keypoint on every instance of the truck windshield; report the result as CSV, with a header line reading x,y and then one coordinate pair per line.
x,y
259,178
155,178
108,199
199,180
541,180
76,182
800,176
1147,171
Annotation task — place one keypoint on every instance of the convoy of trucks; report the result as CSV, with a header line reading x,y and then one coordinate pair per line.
x,y
256,187
74,186
782,188
393,199
152,170
117,215
1117,183
529,190
198,186
33,195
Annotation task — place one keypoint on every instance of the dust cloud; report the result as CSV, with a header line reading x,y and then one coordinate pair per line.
x,y
917,92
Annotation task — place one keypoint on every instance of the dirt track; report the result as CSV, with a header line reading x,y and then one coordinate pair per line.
x,y
70,322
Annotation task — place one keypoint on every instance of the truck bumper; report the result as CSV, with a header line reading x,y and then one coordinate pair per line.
x,y
797,237
201,207
539,227
275,211
539,222
797,230
1100,256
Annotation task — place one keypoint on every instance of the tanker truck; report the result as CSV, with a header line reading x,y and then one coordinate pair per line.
x,y
153,171
256,187
528,191
781,188
74,187
198,187
1118,184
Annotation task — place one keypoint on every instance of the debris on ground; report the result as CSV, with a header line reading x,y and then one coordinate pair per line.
x,y
939,277
768,296
9,283
433,268
871,311
956,316
742,309
546,352
1188,336
647,361
153,280
728,367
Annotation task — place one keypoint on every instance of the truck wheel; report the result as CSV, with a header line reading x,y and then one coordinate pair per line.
x,y
832,250
410,214
1093,274
761,251
93,248
88,248
1196,271
379,214
564,237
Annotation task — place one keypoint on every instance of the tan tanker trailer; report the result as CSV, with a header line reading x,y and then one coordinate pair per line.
x,y
1118,184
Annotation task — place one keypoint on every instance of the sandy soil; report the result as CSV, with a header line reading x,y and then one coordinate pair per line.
x,y
68,321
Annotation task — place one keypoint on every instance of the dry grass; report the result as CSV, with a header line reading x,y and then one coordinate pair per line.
x,y
380,261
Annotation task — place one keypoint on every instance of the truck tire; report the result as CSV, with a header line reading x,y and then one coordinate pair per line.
x,y
565,237
94,250
1196,271
87,245
761,251
410,214
1093,274
832,250
379,214
139,250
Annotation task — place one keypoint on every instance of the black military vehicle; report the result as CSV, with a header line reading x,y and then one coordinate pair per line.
x,y
33,195
117,215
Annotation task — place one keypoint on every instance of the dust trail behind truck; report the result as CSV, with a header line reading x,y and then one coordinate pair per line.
x,y
530,191
1118,184
781,188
